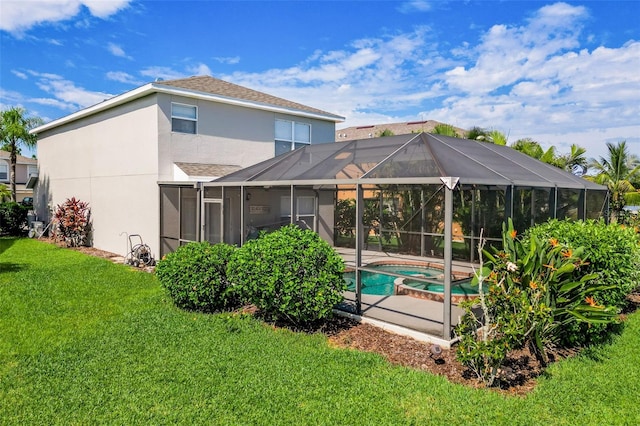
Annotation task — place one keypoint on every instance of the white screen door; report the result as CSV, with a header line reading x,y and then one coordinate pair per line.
x,y
212,221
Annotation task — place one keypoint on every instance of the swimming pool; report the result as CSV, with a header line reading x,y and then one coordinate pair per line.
x,y
386,285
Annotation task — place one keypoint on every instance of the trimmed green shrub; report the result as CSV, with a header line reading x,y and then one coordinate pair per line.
x,y
196,279
13,218
290,274
613,253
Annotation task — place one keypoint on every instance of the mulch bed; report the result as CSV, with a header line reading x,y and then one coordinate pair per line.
x,y
518,377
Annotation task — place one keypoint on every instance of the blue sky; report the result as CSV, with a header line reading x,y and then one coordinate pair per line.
x,y
557,72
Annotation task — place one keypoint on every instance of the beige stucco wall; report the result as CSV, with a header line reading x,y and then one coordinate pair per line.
x,y
227,134
110,161
114,159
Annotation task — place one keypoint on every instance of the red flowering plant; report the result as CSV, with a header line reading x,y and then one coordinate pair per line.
x,y
72,222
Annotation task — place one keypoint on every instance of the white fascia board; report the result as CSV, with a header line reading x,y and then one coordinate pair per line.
x,y
150,88
94,109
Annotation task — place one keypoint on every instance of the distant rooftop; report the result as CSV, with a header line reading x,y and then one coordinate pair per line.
x,y
375,130
20,159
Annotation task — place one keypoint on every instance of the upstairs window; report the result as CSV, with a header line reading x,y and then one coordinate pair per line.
x,y
32,170
291,135
184,118
4,170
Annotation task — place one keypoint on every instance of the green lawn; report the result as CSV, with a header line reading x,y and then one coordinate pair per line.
x,y
83,341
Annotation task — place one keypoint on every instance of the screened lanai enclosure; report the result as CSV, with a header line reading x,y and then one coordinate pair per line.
x,y
405,212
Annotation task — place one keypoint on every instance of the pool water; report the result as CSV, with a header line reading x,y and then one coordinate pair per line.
x,y
381,284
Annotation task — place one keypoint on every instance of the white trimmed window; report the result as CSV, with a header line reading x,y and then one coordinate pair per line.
x,y
4,170
32,170
184,118
291,135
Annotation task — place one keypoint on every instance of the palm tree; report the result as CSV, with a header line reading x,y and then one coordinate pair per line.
x,y
617,171
575,161
528,147
533,149
477,133
445,130
14,133
491,136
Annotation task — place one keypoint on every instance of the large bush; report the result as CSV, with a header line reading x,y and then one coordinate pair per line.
x,y
13,218
613,253
290,274
195,277
535,290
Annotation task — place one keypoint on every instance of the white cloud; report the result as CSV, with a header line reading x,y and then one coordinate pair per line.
x,y
118,51
166,73
66,94
19,74
199,69
228,60
531,80
19,16
123,77
414,6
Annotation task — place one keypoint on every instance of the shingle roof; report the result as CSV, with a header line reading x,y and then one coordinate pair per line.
x,y
203,87
208,84
20,159
213,170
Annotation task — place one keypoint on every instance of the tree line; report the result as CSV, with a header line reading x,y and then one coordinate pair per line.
x,y
619,170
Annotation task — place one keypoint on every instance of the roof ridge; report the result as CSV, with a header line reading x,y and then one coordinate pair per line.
x,y
216,86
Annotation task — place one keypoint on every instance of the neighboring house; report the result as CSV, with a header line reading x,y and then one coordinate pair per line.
x,y
113,154
375,130
26,168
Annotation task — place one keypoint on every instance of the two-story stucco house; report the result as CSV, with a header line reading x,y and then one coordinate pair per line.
x,y
114,154
26,168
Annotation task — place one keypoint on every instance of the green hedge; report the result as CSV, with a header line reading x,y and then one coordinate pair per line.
x,y
195,277
13,218
290,274
613,252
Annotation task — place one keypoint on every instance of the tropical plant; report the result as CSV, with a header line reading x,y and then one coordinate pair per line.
x,y
14,133
528,147
72,222
4,192
575,161
535,289
477,133
618,170
445,130
195,275
613,253
385,132
534,149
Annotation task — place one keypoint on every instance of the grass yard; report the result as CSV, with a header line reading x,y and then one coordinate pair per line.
x,y
84,341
